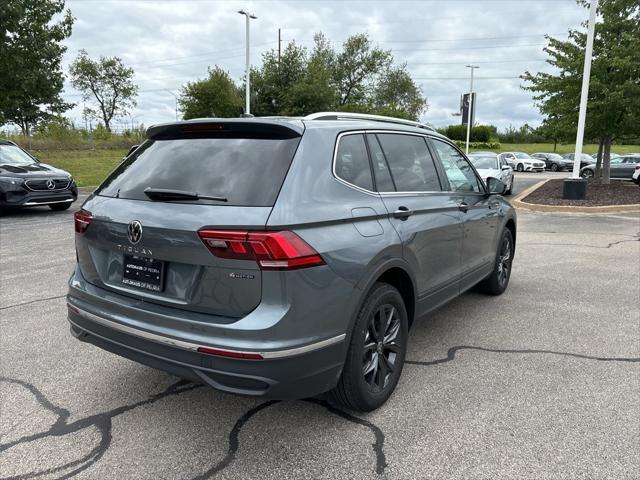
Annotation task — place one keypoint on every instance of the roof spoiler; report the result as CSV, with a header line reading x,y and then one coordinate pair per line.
x,y
226,128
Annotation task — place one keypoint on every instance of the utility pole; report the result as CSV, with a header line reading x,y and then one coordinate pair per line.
x,y
247,101
575,188
176,97
279,46
470,110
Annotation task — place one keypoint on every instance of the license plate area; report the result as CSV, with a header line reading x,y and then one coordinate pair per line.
x,y
144,273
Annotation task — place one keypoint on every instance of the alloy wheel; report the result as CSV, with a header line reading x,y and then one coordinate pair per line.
x,y
504,260
381,347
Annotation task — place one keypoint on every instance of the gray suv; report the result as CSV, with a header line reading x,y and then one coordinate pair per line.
x,y
283,257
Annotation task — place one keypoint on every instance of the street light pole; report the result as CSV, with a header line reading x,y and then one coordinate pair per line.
x,y
247,101
585,88
470,109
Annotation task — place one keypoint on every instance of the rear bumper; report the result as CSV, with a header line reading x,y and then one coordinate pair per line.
x,y
286,374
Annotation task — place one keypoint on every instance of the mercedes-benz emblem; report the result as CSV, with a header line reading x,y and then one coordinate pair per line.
x,y
134,232
51,184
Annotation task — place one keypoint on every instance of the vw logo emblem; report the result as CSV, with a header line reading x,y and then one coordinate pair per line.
x,y
134,232
51,184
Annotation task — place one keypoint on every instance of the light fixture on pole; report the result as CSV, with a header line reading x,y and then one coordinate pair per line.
x,y
248,17
176,97
470,109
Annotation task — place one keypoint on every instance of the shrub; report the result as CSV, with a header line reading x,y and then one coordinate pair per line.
x,y
479,133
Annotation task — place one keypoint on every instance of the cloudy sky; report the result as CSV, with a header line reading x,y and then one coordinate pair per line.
x,y
170,42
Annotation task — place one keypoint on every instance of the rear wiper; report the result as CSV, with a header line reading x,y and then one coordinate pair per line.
x,y
177,195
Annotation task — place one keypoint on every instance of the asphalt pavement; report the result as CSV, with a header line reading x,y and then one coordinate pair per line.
x,y
541,382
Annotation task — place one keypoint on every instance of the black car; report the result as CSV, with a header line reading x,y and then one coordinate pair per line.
x,y
584,159
554,161
25,182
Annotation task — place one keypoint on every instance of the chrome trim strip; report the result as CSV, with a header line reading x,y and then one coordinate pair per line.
x,y
31,204
367,116
153,337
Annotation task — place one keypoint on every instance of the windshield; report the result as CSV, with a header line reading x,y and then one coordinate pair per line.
x,y
243,171
484,162
12,155
521,155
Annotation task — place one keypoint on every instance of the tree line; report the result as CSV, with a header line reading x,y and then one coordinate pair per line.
x,y
359,76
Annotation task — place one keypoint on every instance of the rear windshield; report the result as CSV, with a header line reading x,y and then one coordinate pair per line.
x,y
245,171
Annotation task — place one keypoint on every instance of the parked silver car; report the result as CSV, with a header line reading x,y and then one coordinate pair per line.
x,y
489,165
621,168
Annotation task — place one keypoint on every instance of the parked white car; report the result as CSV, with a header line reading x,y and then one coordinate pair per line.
x,y
523,162
490,165
636,175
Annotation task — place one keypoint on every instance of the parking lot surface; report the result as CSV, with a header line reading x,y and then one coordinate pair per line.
x,y
541,382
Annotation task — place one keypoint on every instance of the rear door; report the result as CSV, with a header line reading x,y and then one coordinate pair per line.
x,y
426,218
479,213
150,249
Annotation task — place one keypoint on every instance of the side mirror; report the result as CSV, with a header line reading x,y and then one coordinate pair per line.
x,y
131,150
495,186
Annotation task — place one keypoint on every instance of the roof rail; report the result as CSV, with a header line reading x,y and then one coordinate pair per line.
x,y
365,116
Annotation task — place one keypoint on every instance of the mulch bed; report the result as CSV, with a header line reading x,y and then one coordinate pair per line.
x,y
616,193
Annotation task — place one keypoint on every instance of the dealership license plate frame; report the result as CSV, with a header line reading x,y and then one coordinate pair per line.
x,y
143,273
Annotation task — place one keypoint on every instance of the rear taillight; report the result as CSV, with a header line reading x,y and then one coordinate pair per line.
x,y
272,250
82,220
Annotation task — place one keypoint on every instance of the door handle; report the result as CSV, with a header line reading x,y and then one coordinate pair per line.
x,y
463,207
402,213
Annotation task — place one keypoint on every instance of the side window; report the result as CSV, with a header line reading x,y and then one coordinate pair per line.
x,y
384,183
352,162
458,170
411,165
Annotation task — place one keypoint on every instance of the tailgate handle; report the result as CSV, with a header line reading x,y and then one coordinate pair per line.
x,y
402,213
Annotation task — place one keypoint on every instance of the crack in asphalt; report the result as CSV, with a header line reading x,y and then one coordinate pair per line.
x,y
609,245
37,300
103,421
451,355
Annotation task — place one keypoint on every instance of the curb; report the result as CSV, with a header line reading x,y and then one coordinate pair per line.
x,y
536,207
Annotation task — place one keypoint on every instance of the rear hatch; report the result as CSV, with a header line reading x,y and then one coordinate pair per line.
x,y
138,234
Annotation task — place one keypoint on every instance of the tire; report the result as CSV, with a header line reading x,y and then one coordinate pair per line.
x,y
554,167
498,281
520,167
58,207
586,173
362,390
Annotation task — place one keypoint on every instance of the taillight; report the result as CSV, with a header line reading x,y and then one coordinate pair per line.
x,y
272,250
82,220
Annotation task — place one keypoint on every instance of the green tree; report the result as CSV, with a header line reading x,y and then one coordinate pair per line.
x,y
108,83
31,50
357,68
396,94
614,92
215,96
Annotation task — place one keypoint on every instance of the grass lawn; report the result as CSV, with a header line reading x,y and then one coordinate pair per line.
x,y
88,167
562,149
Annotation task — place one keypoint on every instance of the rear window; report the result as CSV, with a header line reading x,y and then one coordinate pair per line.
x,y
246,171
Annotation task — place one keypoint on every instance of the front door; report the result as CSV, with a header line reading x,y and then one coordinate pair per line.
x,y
479,213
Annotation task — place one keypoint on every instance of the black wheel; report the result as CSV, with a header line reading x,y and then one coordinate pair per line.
x,y
520,167
58,207
497,282
376,351
586,173
554,167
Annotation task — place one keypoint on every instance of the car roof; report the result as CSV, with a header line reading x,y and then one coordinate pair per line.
x,y
296,124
